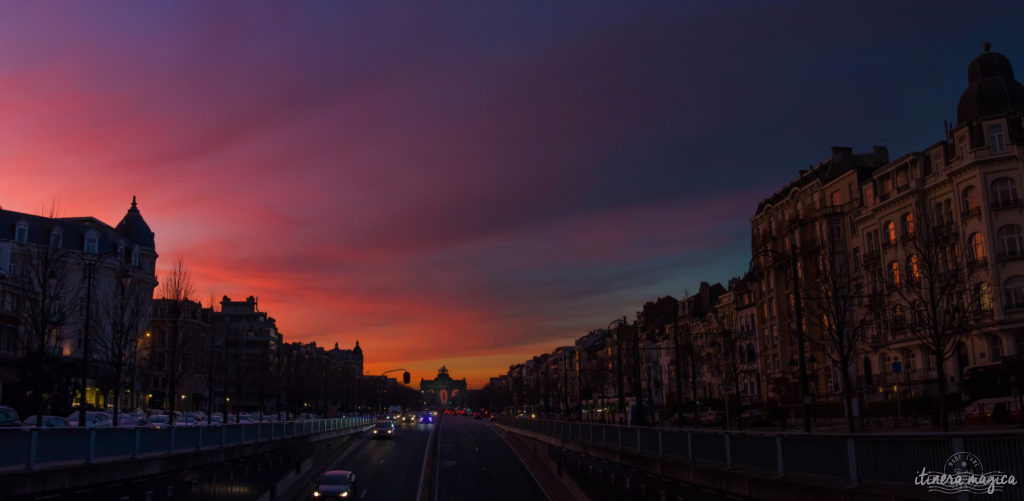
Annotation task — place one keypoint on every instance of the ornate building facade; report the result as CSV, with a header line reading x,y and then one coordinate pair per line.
x,y
443,390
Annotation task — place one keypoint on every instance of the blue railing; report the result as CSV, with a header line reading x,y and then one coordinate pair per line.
x,y
64,446
895,458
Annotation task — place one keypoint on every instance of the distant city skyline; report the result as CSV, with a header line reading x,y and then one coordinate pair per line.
x,y
466,186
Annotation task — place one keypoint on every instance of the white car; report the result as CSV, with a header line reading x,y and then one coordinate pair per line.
x,y
48,422
93,419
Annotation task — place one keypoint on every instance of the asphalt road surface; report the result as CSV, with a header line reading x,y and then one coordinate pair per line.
x,y
475,463
385,469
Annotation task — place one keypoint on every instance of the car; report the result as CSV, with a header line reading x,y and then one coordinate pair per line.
x,y
159,421
993,410
383,429
130,421
93,419
426,418
476,415
493,417
8,417
757,417
48,422
336,484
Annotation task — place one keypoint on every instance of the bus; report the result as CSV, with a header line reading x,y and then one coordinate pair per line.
x,y
993,391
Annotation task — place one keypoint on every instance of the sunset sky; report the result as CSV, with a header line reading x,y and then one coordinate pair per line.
x,y
462,183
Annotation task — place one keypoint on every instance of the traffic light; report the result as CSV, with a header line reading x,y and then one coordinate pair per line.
x,y
405,377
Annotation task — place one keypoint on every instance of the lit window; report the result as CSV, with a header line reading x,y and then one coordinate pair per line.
x,y
890,231
995,139
970,199
1004,192
908,224
976,244
894,273
835,198
914,271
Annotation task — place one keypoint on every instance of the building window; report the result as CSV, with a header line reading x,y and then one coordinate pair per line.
x,y
890,232
970,199
894,273
834,198
995,139
1013,288
908,224
92,244
869,195
995,348
915,272
1009,240
56,238
1004,192
135,256
976,245
21,233
984,296
961,148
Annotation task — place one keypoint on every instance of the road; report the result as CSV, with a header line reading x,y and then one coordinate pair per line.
x,y
387,469
475,463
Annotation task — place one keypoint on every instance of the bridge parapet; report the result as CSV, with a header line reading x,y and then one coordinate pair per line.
x,y
876,462
40,461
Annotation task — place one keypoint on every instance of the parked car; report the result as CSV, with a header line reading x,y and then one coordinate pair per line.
x,y
993,410
758,417
159,421
336,484
130,421
93,419
48,422
8,417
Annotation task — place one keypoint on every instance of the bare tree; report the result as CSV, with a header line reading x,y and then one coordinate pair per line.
x,y
48,293
118,346
838,308
179,289
943,289
726,355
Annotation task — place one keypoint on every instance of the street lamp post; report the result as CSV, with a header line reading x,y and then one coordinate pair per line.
x,y
380,384
791,260
618,359
90,272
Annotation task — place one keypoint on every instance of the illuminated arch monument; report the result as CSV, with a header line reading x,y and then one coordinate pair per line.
x,y
443,390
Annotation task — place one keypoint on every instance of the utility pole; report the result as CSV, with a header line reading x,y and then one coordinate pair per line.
x,y
89,268
800,337
618,364
637,386
678,368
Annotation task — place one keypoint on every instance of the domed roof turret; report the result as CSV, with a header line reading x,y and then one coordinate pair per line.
x,y
992,89
357,350
135,229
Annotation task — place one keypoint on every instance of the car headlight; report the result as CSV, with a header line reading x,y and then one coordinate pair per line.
x,y
316,494
344,494
374,432
389,432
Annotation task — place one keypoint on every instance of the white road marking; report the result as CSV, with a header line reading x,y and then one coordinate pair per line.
x,y
363,494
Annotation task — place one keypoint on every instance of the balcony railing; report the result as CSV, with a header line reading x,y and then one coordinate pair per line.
x,y
1005,204
970,212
